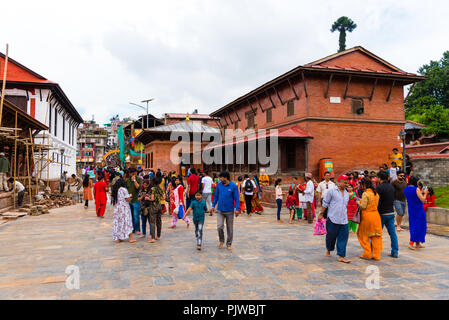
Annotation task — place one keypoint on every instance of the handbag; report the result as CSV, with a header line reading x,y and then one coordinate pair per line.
x,y
357,216
180,211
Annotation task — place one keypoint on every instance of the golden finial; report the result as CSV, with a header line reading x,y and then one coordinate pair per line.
x,y
187,117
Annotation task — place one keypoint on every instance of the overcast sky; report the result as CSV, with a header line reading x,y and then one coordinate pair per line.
x,y
202,53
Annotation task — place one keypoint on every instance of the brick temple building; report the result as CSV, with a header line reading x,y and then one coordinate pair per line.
x,y
348,106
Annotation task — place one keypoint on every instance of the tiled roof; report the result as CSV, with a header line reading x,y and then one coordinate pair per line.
x,y
381,71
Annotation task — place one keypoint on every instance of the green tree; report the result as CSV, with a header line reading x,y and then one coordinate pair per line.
x,y
435,87
342,25
435,118
428,103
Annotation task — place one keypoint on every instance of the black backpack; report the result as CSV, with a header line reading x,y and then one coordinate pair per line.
x,y
249,187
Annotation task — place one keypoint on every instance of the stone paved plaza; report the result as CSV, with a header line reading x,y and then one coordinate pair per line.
x,y
269,261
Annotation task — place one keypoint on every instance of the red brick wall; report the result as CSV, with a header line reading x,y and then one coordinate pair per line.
x,y
161,155
357,60
351,145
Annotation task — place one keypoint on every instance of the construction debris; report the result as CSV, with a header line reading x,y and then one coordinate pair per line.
x,y
46,202
12,215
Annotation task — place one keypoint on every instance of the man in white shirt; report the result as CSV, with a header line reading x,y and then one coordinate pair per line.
x,y
393,172
309,194
249,186
206,181
20,189
324,187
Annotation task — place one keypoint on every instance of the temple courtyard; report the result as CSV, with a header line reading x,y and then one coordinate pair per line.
x,y
269,260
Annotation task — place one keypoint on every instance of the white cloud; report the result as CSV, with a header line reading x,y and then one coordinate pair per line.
x,y
202,54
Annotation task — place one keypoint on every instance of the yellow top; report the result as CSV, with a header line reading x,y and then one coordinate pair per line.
x,y
397,158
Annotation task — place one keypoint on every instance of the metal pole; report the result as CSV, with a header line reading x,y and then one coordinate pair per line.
x,y
15,162
147,116
4,85
403,155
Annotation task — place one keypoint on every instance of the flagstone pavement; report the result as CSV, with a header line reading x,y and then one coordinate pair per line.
x,y
268,261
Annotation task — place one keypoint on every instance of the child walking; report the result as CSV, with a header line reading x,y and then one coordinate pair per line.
x,y
199,208
353,205
144,197
291,205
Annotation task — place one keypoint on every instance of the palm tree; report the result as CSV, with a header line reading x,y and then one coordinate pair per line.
x,y
343,24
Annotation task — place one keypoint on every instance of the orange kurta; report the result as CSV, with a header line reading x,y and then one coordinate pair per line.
x,y
369,232
88,191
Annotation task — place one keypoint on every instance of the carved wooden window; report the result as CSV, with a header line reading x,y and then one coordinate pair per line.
x,y
357,106
250,118
290,108
269,113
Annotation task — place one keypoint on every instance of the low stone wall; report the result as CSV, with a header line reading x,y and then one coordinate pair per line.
x,y
433,170
269,196
6,200
436,215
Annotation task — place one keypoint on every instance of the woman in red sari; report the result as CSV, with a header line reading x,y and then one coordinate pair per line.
x,y
430,200
100,189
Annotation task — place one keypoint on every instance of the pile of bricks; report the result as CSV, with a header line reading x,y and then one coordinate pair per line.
x,y
55,200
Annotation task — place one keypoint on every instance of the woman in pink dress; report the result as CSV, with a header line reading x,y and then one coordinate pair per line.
x,y
171,196
179,202
122,227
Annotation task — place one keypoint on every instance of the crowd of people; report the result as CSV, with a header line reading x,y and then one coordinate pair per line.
x,y
140,198
362,203
356,202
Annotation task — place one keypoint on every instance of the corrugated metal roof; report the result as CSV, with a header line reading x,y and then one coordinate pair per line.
x,y
191,116
410,125
185,126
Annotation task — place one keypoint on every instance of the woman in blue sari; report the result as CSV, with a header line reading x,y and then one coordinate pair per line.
x,y
416,214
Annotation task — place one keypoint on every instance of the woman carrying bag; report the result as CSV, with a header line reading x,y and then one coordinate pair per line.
x,y
369,232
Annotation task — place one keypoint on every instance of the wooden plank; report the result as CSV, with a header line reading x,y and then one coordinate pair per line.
x,y
279,97
326,94
15,164
27,156
374,88
304,83
391,90
347,86
230,119
293,89
269,97
35,164
252,109
409,92
9,129
260,105
4,84
236,114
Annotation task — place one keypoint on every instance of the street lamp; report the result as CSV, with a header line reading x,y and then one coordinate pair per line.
x,y
138,105
402,135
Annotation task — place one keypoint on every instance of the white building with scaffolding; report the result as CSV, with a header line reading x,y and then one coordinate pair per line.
x,y
46,102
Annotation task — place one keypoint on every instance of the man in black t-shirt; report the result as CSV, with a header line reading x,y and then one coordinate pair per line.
x,y
386,211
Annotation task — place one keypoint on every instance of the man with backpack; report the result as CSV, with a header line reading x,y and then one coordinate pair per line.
x,y
248,186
